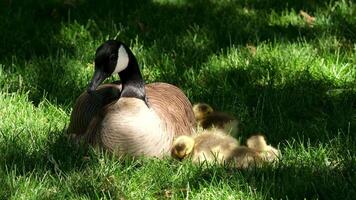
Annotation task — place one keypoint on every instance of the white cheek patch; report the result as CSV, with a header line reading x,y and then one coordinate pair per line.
x,y
122,60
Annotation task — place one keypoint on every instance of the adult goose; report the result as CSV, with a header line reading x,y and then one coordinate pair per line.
x,y
129,117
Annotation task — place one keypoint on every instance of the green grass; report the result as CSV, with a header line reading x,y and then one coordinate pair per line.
x,y
298,87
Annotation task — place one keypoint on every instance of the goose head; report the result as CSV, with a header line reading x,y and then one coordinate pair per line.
x,y
115,57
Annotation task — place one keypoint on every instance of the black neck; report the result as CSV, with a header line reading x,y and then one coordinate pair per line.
x,y
133,84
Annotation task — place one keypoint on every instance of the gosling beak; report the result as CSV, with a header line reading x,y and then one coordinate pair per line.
x,y
98,77
181,155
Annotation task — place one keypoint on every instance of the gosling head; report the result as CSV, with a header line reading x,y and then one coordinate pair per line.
x,y
201,110
182,147
110,57
257,142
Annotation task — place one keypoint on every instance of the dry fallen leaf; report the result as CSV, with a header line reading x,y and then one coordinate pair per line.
x,y
168,194
86,158
309,20
72,3
252,49
143,27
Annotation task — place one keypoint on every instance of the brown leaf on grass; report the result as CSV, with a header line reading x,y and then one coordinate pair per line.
x,y
71,3
55,14
165,194
168,194
252,49
143,27
86,158
8,2
309,20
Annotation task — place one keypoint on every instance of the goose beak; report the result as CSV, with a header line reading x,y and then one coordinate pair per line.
x,y
98,78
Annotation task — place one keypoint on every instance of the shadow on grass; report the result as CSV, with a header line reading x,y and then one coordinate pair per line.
x,y
88,175
303,107
32,30
58,155
300,108
292,182
225,23
86,172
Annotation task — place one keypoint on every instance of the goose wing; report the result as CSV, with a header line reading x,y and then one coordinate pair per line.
x,y
89,105
172,106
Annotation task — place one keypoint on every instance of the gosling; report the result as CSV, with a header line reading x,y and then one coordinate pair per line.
x,y
267,152
215,146
212,145
207,118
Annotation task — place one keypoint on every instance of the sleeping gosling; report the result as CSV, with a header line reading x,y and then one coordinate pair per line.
x,y
243,157
182,147
267,152
215,146
212,145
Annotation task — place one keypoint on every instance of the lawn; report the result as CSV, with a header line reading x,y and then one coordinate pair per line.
x,y
279,73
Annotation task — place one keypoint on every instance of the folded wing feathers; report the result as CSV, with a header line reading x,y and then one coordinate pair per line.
x,y
87,106
172,106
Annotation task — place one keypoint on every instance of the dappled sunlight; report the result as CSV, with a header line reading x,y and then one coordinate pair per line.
x,y
342,73
262,88
285,19
285,69
22,115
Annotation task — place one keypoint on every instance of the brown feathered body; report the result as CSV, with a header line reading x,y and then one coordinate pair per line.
x,y
127,126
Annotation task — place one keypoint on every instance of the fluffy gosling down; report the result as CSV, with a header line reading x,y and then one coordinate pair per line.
x,y
207,118
255,154
267,152
211,145
214,145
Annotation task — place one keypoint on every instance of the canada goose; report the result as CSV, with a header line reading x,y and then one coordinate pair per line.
x,y
132,118
267,152
207,118
212,145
